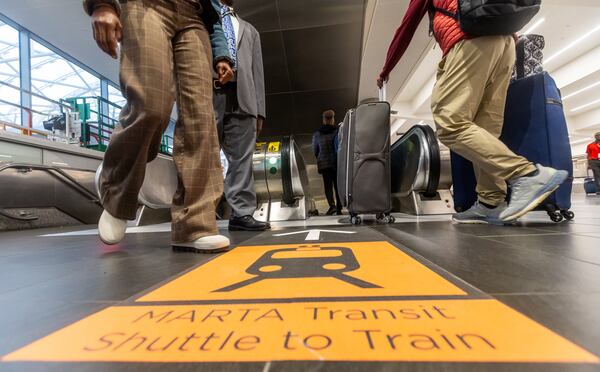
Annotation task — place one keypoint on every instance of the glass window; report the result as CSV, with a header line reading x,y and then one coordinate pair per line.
x,y
56,78
118,101
9,74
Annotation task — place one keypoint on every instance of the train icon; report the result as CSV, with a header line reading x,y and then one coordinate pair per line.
x,y
304,262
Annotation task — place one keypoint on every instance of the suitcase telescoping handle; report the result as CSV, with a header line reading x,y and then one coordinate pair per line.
x,y
383,92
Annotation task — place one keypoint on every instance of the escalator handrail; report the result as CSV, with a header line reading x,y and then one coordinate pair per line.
x,y
72,182
286,171
435,162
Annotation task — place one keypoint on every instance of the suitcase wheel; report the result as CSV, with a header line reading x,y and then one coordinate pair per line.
x,y
555,216
385,218
355,220
568,215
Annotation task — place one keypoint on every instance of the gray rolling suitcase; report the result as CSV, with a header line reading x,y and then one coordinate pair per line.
x,y
364,173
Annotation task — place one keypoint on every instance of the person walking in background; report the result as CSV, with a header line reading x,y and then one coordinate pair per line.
x,y
165,56
240,109
593,153
325,146
468,103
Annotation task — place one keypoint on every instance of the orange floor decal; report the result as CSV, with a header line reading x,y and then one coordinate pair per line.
x,y
336,302
444,330
369,269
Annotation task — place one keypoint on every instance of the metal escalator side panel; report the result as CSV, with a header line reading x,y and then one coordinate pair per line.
x,y
407,163
261,183
160,183
69,191
298,171
259,168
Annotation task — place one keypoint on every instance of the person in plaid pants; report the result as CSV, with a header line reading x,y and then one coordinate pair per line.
x,y
168,51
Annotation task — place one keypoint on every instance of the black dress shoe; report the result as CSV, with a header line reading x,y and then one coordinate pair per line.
x,y
332,210
247,223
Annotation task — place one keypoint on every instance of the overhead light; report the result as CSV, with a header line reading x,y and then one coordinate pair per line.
x,y
576,42
534,26
581,90
586,105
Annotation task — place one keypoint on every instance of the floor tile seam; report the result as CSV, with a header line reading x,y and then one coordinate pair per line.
x,y
550,293
61,275
520,247
520,235
548,229
588,236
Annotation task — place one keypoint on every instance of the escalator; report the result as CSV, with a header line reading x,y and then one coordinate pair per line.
x,y
421,175
37,195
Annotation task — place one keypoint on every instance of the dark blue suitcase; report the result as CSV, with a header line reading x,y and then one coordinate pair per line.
x,y
534,127
590,186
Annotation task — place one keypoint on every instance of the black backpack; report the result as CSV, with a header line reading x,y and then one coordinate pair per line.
x,y
493,17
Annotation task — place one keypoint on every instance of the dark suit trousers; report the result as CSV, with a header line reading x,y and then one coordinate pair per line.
x,y
237,134
595,165
330,185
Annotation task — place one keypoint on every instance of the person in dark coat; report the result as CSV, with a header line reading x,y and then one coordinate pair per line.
x,y
325,148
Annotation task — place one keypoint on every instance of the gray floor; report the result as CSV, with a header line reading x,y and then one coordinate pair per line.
x,y
549,272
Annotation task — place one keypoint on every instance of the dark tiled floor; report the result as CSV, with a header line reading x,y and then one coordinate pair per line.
x,y
549,272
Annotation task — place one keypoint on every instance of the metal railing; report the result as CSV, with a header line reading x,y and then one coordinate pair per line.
x,y
97,125
96,116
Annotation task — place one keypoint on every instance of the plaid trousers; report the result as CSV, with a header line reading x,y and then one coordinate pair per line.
x,y
166,57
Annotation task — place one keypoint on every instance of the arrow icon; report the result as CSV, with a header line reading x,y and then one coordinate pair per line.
x,y
316,233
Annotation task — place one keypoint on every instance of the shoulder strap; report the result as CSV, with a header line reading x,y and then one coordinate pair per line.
x,y
446,12
432,12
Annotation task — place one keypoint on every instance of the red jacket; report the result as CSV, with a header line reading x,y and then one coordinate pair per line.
x,y
446,30
593,151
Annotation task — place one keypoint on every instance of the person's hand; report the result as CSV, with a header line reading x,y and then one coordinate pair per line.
x,y
108,31
225,72
380,81
259,125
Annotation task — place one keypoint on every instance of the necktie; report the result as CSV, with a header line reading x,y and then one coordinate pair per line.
x,y
226,14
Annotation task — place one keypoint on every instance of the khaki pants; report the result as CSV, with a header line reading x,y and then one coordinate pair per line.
x,y
166,56
468,108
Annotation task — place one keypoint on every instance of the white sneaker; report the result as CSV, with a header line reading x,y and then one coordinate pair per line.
x,y
111,229
207,244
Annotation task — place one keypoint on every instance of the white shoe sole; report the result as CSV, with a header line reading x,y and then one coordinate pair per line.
x,y
178,248
109,242
470,222
200,249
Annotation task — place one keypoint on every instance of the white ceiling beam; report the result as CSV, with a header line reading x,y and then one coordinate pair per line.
x,y
577,69
586,121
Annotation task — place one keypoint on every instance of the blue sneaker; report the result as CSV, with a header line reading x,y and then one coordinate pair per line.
x,y
529,192
480,214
